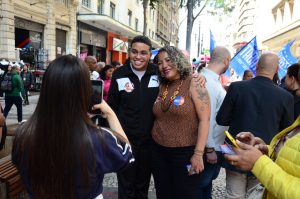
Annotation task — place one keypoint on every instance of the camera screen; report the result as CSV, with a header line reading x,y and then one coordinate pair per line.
x,y
97,94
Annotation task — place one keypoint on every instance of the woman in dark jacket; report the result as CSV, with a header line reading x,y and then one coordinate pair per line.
x,y
292,84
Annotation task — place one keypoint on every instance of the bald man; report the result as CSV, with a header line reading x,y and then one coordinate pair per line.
x,y
91,62
219,63
258,106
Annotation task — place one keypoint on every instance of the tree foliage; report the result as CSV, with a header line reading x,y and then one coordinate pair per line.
x,y
196,7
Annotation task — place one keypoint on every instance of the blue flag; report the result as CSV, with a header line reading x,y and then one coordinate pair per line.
x,y
246,58
212,42
285,59
154,53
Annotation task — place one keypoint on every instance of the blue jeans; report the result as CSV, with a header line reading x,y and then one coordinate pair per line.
x,y
170,173
211,172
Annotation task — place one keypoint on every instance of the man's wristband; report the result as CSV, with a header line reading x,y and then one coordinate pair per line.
x,y
209,150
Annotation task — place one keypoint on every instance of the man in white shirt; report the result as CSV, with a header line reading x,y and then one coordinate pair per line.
x,y
91,62
219,63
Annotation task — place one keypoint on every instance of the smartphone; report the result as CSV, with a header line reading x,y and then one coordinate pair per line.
x,y
97,95
227,149
189,167
232,140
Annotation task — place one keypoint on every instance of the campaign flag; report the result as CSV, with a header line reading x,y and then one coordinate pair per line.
x,y
285,59
212,42
154,53
246,58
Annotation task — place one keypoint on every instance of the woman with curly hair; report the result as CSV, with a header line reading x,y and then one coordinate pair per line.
x,y
182,111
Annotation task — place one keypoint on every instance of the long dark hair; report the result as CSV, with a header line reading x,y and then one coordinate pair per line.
x,y
103,71
293,71
53,145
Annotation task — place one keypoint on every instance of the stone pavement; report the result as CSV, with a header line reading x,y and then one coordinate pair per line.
x,y
110,185
110,180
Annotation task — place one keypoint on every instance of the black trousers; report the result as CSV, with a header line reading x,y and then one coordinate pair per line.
x,y
133,182
13,100
26,88
171,175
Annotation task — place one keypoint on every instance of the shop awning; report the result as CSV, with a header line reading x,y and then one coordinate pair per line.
x,y
109,24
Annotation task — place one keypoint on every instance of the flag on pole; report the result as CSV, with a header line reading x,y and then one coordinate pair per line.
x,y
212,42
246,58
285,59
154,53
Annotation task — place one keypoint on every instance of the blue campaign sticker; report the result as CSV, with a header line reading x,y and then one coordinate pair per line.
x,y
179,100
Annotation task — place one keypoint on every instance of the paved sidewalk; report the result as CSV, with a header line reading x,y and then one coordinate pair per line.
x,y
110,180
110,184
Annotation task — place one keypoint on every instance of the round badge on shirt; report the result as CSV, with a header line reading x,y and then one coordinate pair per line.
x,y
178,101
129,87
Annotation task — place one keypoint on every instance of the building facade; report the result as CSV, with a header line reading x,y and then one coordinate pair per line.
x,y
252,19
115,23
246,19
37,31
167,22
285,26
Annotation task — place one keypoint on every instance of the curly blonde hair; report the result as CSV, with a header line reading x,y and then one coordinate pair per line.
x,y
181,63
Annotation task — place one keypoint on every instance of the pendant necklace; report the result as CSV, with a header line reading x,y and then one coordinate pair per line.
x,y
165,105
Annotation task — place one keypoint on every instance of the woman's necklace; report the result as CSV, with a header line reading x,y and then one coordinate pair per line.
x,y
165,106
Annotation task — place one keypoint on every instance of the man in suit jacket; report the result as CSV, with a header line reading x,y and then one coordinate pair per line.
x,y
258,106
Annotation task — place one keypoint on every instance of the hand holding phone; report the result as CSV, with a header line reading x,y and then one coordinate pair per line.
x,y
190,169
97,95
227,149
232,140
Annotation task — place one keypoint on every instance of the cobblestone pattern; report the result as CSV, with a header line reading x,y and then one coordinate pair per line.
x,y
110,184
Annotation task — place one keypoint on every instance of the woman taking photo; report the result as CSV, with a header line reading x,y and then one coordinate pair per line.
x,y
59,152
181,124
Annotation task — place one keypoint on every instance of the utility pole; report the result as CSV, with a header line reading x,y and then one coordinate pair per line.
x,y
199,40
201,44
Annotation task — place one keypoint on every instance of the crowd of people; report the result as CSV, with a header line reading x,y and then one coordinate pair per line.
x,y
163,120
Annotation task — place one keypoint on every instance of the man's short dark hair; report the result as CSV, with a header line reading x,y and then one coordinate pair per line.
x,y
142,39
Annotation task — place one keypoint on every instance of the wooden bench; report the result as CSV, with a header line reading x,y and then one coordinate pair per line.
x,y
10,176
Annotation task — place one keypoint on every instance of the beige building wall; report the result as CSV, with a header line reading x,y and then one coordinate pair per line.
x,y
51,14
286,26
152,23
168,22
